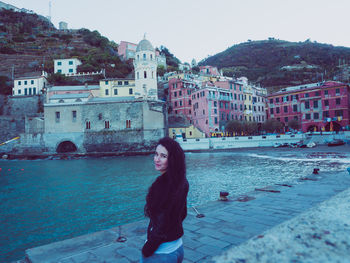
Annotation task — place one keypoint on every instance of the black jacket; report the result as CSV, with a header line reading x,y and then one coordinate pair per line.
x,y
166,224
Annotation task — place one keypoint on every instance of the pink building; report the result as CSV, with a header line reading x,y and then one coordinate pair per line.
x,y
126,50
209,107
209,70
317,107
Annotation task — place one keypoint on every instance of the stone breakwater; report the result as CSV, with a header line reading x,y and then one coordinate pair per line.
x,y
229,225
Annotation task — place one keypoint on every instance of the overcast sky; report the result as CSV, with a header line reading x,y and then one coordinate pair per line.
x,y
198,28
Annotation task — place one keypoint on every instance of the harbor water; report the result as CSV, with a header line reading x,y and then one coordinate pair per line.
x,y
43,201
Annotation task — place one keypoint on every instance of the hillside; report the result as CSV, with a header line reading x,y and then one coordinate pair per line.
x,y
30,43
277,63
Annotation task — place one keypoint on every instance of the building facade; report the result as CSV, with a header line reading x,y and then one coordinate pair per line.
x,y
115,87
127,50
66,66
29,86
316,107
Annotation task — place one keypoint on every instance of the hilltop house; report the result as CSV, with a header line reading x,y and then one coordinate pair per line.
x,y
30,85
66,66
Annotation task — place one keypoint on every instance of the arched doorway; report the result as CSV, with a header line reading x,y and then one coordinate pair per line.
x,y
66,147
333,126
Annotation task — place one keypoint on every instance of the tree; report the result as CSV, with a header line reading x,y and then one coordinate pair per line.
x,y
161,70
294,124
272,125
195,70
250,128
234,127
5,87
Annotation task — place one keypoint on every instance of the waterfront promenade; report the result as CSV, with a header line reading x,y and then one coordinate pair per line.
x,y
226,226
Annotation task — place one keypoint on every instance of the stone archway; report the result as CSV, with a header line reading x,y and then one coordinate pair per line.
x,y
66,147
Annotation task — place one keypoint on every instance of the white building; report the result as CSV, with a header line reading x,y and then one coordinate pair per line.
x,y
66,66
63,25
145,65
29,86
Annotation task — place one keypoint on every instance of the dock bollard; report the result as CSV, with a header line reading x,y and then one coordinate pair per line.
x,y
223,196
316,170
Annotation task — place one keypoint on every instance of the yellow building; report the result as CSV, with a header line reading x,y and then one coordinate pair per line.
x,y
189,132
117,88
248,102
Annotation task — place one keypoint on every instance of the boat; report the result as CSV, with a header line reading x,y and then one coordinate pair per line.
x,y
336,142
311,145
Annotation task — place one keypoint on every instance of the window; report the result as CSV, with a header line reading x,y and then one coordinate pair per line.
x,y
30,91
87,125
34,91
307,105
175,94
277,100
241,107
326,92
70,70
25,82
337,91
32,82
106,82
128,124
278,110
120,83
271,110
203,112
337,101
326,114
106,92
295,108
316,116
126,82
130,91
306,95
19,83
317,93
25,91
145,74
59,63
144,56
326,103
285,119
59,71
215,111
138,75
285,108
106,124
74,116
57,116
180,102
151,57
70,62
339,113
307,116
19,91
115,91
315,103
271,100
216,120
180,93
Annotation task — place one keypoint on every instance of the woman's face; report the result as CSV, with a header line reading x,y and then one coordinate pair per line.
x,y
161,159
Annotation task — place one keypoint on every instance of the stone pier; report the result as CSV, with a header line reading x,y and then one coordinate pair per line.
x,y
226,225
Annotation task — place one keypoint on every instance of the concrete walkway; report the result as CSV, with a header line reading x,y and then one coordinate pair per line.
x,y
224,226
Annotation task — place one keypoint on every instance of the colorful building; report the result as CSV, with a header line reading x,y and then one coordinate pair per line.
x,y
209,70
316,107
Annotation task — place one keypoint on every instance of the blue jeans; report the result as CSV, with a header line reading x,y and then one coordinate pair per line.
x,y
175,257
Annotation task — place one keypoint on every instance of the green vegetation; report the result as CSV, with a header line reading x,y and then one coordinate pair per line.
x,y
254,128
263,61
171,61
5,87
25,34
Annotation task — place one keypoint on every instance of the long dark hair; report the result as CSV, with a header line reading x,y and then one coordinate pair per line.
x,y
171,186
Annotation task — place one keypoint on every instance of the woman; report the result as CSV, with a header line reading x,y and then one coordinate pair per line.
x,y
166,205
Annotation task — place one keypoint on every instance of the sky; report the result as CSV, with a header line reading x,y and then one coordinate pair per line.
x,y
201,28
